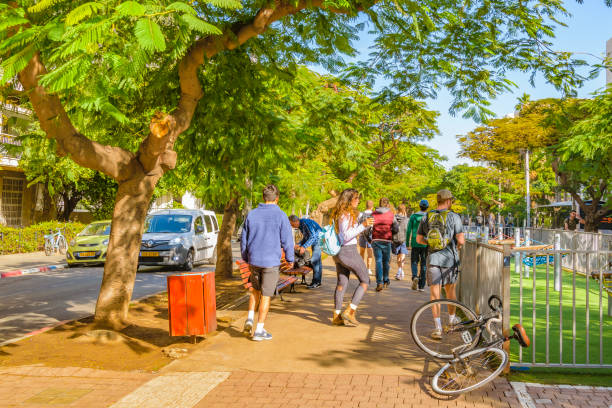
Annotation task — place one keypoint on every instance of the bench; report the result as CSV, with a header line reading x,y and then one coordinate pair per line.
x,y
282,284
288,269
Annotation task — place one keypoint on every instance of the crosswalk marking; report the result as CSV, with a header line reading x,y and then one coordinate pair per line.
x,y
173,390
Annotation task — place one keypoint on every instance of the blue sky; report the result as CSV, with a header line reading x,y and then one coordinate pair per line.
x,y
587,31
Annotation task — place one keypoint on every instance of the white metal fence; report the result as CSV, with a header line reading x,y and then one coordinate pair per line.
x,y
567,312
559,295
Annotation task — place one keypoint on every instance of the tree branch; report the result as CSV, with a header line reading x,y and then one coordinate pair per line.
x,y
112,161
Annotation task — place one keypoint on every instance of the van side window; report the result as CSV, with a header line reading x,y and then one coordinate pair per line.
x,y
198,223
209,227
214,220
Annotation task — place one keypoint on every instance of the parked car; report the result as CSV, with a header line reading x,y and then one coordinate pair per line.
x,y
179,237
90,245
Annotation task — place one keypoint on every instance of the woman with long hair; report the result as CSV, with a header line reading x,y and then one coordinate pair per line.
x,y
345,216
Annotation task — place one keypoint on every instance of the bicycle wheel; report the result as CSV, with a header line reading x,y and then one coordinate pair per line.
x,y
61,244
470,371
48,248
453,337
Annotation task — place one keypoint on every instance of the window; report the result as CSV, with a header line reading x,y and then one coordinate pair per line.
x,y
214,220
168,223
12,198
198,223
209,227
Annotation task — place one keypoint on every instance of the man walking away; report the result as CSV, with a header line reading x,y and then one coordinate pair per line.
x,y
266,230
310,238
442,231
418,252
384,227
399,240
365,248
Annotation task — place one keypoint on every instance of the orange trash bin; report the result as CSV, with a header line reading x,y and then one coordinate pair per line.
x,y
191,304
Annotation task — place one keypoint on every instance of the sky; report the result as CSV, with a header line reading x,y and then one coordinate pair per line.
x,y
587,31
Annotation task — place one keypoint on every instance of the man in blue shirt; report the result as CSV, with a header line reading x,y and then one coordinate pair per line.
x,y
266,230
310,238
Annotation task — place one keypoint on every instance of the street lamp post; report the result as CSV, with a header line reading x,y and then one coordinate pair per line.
x,y
527,196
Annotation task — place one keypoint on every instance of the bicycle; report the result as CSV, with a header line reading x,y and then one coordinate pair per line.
x,y
468,367
55,242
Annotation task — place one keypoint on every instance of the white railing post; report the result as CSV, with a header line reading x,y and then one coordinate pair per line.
x,y
517,255
484,237
527,243
557,262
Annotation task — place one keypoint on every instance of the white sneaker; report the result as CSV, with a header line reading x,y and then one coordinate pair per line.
x,y
262,335
454,320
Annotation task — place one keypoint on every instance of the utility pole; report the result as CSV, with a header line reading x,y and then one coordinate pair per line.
x,y
527,197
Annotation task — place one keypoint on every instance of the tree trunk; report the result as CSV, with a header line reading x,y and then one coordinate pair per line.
x,y
225,263
131,204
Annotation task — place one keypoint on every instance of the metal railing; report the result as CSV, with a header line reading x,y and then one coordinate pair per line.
x,y
563,308
548,281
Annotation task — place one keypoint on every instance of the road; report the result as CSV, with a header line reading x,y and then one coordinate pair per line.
x,y
32,302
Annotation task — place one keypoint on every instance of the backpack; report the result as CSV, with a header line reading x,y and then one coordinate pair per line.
x,y
399,236
329,240
436,235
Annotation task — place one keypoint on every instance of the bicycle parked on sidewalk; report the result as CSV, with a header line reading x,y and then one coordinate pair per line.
x,y
471,344
55,242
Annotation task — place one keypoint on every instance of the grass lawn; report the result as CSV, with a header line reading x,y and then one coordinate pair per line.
x,y
575,376
539,340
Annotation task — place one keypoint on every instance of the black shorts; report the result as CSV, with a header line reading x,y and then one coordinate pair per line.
x,y
264,279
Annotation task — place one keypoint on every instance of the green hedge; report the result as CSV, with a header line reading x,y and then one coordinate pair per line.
x,y
31,239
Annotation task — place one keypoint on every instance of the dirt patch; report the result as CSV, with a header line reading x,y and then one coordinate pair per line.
x,y
143,345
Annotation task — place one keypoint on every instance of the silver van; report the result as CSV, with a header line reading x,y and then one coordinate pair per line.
x,y
178,237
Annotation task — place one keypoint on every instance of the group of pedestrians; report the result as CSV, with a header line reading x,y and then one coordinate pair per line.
x,y
434,238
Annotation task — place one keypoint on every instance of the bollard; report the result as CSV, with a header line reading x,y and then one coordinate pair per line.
x,y
500,232
517,255
557,262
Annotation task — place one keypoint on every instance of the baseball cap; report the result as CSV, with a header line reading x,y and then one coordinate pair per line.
x,y
423,203
444,195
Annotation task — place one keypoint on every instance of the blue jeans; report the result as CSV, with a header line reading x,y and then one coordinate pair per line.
x,y
317,265
382,255
419,256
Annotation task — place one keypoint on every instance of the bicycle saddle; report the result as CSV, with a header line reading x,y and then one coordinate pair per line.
x,y
520,335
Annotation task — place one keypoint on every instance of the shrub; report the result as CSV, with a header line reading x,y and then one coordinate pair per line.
x,y
31,239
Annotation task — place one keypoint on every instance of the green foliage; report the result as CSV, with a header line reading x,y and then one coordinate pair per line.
x,y
31,239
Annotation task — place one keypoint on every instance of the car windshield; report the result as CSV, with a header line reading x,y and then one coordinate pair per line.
x,y
170,223
96,229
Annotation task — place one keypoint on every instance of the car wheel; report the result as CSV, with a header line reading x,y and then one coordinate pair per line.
x,y
188,265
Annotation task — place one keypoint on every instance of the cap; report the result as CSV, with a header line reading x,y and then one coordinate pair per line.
x,y
423,203
444,195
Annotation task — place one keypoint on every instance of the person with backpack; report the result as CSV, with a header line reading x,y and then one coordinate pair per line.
x,y
384,227
399,240
442,231
344,217
266,232
418,252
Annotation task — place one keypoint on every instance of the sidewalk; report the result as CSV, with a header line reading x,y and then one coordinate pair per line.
x,y
29,260
309,363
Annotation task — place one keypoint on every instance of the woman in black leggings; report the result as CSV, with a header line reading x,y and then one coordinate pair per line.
x,y
348,260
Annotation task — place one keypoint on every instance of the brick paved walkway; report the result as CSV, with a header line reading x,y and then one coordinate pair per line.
x,y
309,363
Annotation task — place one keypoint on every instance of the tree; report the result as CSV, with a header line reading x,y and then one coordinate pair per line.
x,y
585,158
557,131
116,84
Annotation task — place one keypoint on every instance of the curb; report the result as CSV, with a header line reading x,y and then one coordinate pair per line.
x,y
19,272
